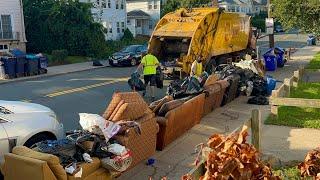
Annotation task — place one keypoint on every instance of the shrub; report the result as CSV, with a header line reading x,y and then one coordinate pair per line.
x,y
59,55
127,36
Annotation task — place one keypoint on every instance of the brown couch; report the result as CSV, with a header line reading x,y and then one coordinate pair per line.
x,y
179,120
214,96
24,163
141,145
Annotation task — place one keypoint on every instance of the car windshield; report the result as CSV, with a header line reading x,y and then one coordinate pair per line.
x,y
129,49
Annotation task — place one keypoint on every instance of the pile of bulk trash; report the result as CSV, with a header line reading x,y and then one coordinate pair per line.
x,y
232,157
94,140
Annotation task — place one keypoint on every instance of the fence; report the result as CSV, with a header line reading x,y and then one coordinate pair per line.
x,y
281,96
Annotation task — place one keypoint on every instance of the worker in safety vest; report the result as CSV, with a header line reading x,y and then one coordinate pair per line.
x,y
196,68
149,63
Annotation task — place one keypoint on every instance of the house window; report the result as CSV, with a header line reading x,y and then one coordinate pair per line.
x,y
150,5
3,47
98,2
117,4
155,5
104,4
109,3
139,23
122,4
110,28
5,27
122,26
118,27
238,9
128,21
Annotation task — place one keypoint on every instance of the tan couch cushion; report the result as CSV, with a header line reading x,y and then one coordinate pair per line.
x,y
21,167
52,161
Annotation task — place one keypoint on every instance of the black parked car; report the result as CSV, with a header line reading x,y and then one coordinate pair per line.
x,y
129,56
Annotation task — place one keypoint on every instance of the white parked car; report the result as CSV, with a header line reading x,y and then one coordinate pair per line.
x,y
26,124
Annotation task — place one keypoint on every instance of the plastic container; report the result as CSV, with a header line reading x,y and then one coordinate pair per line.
x,y
43,64
9,66
280,56
21,61
32,65
271,84
270,62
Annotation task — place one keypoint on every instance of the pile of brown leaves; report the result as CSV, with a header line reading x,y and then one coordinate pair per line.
x,y
233,158
311,164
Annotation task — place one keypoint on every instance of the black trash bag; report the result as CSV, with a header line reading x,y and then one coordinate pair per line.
x,y
159,78
65,149
136,83
180,89
258,100
259,86
96,63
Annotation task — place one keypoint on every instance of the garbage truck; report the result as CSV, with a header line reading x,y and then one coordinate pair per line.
x,y
214,35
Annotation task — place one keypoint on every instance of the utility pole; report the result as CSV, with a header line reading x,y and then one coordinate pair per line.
x,y
271,36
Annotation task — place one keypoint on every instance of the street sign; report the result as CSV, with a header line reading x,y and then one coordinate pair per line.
x,y
269,25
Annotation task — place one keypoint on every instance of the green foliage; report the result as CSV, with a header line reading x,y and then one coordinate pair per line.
x,y
63,24
315,62
259,22
59,55
127,36
172,5
298,116
302,14
292,173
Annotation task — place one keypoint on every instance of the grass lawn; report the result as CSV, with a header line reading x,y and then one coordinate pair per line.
x,y
298,116
315,62
68,60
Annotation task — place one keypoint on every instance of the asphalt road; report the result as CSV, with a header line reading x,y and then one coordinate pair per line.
x,y
91,91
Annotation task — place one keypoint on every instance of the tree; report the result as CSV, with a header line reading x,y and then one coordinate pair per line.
x,y
172,5
62,24
302,14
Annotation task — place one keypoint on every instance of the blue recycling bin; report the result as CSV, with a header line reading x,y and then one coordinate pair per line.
x,y
21,61
280,52
43,64
32,65
271,84
270,61
9,64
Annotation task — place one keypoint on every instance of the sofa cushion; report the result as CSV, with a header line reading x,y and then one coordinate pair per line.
x,y
116,109
211,80
52,161
168,106
155,106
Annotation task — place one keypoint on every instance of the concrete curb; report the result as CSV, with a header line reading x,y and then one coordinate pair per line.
x,y
48,75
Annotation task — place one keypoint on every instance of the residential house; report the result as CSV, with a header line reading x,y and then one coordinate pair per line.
x,y
12,29
112,15
143,16
251,7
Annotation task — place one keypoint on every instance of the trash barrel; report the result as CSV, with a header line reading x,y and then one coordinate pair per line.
x,y
43,64
270,61
9,64
271,84
279,52
21,61
32,65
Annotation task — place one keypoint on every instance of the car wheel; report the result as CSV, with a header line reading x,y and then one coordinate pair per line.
x,y
38,138
133,62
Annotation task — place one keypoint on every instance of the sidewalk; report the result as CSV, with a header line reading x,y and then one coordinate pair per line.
x,y
59,70
285,143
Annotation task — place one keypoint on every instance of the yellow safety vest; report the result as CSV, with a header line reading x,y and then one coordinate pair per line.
x,y
198,68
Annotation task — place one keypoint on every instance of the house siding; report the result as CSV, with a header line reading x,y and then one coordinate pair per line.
x,y
15,10
143,5
110,17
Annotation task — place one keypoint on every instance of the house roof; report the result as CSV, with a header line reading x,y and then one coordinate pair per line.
x,y
138,13
231,2
260,2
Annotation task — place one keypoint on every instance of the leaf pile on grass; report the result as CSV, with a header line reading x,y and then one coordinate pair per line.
x,y
233,158
315,62
299,116
311,165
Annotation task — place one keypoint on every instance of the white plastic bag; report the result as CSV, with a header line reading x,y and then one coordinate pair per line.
x,y
90,122
117,149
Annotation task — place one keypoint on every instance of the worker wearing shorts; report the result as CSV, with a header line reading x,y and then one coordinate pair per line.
x,y
149,63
